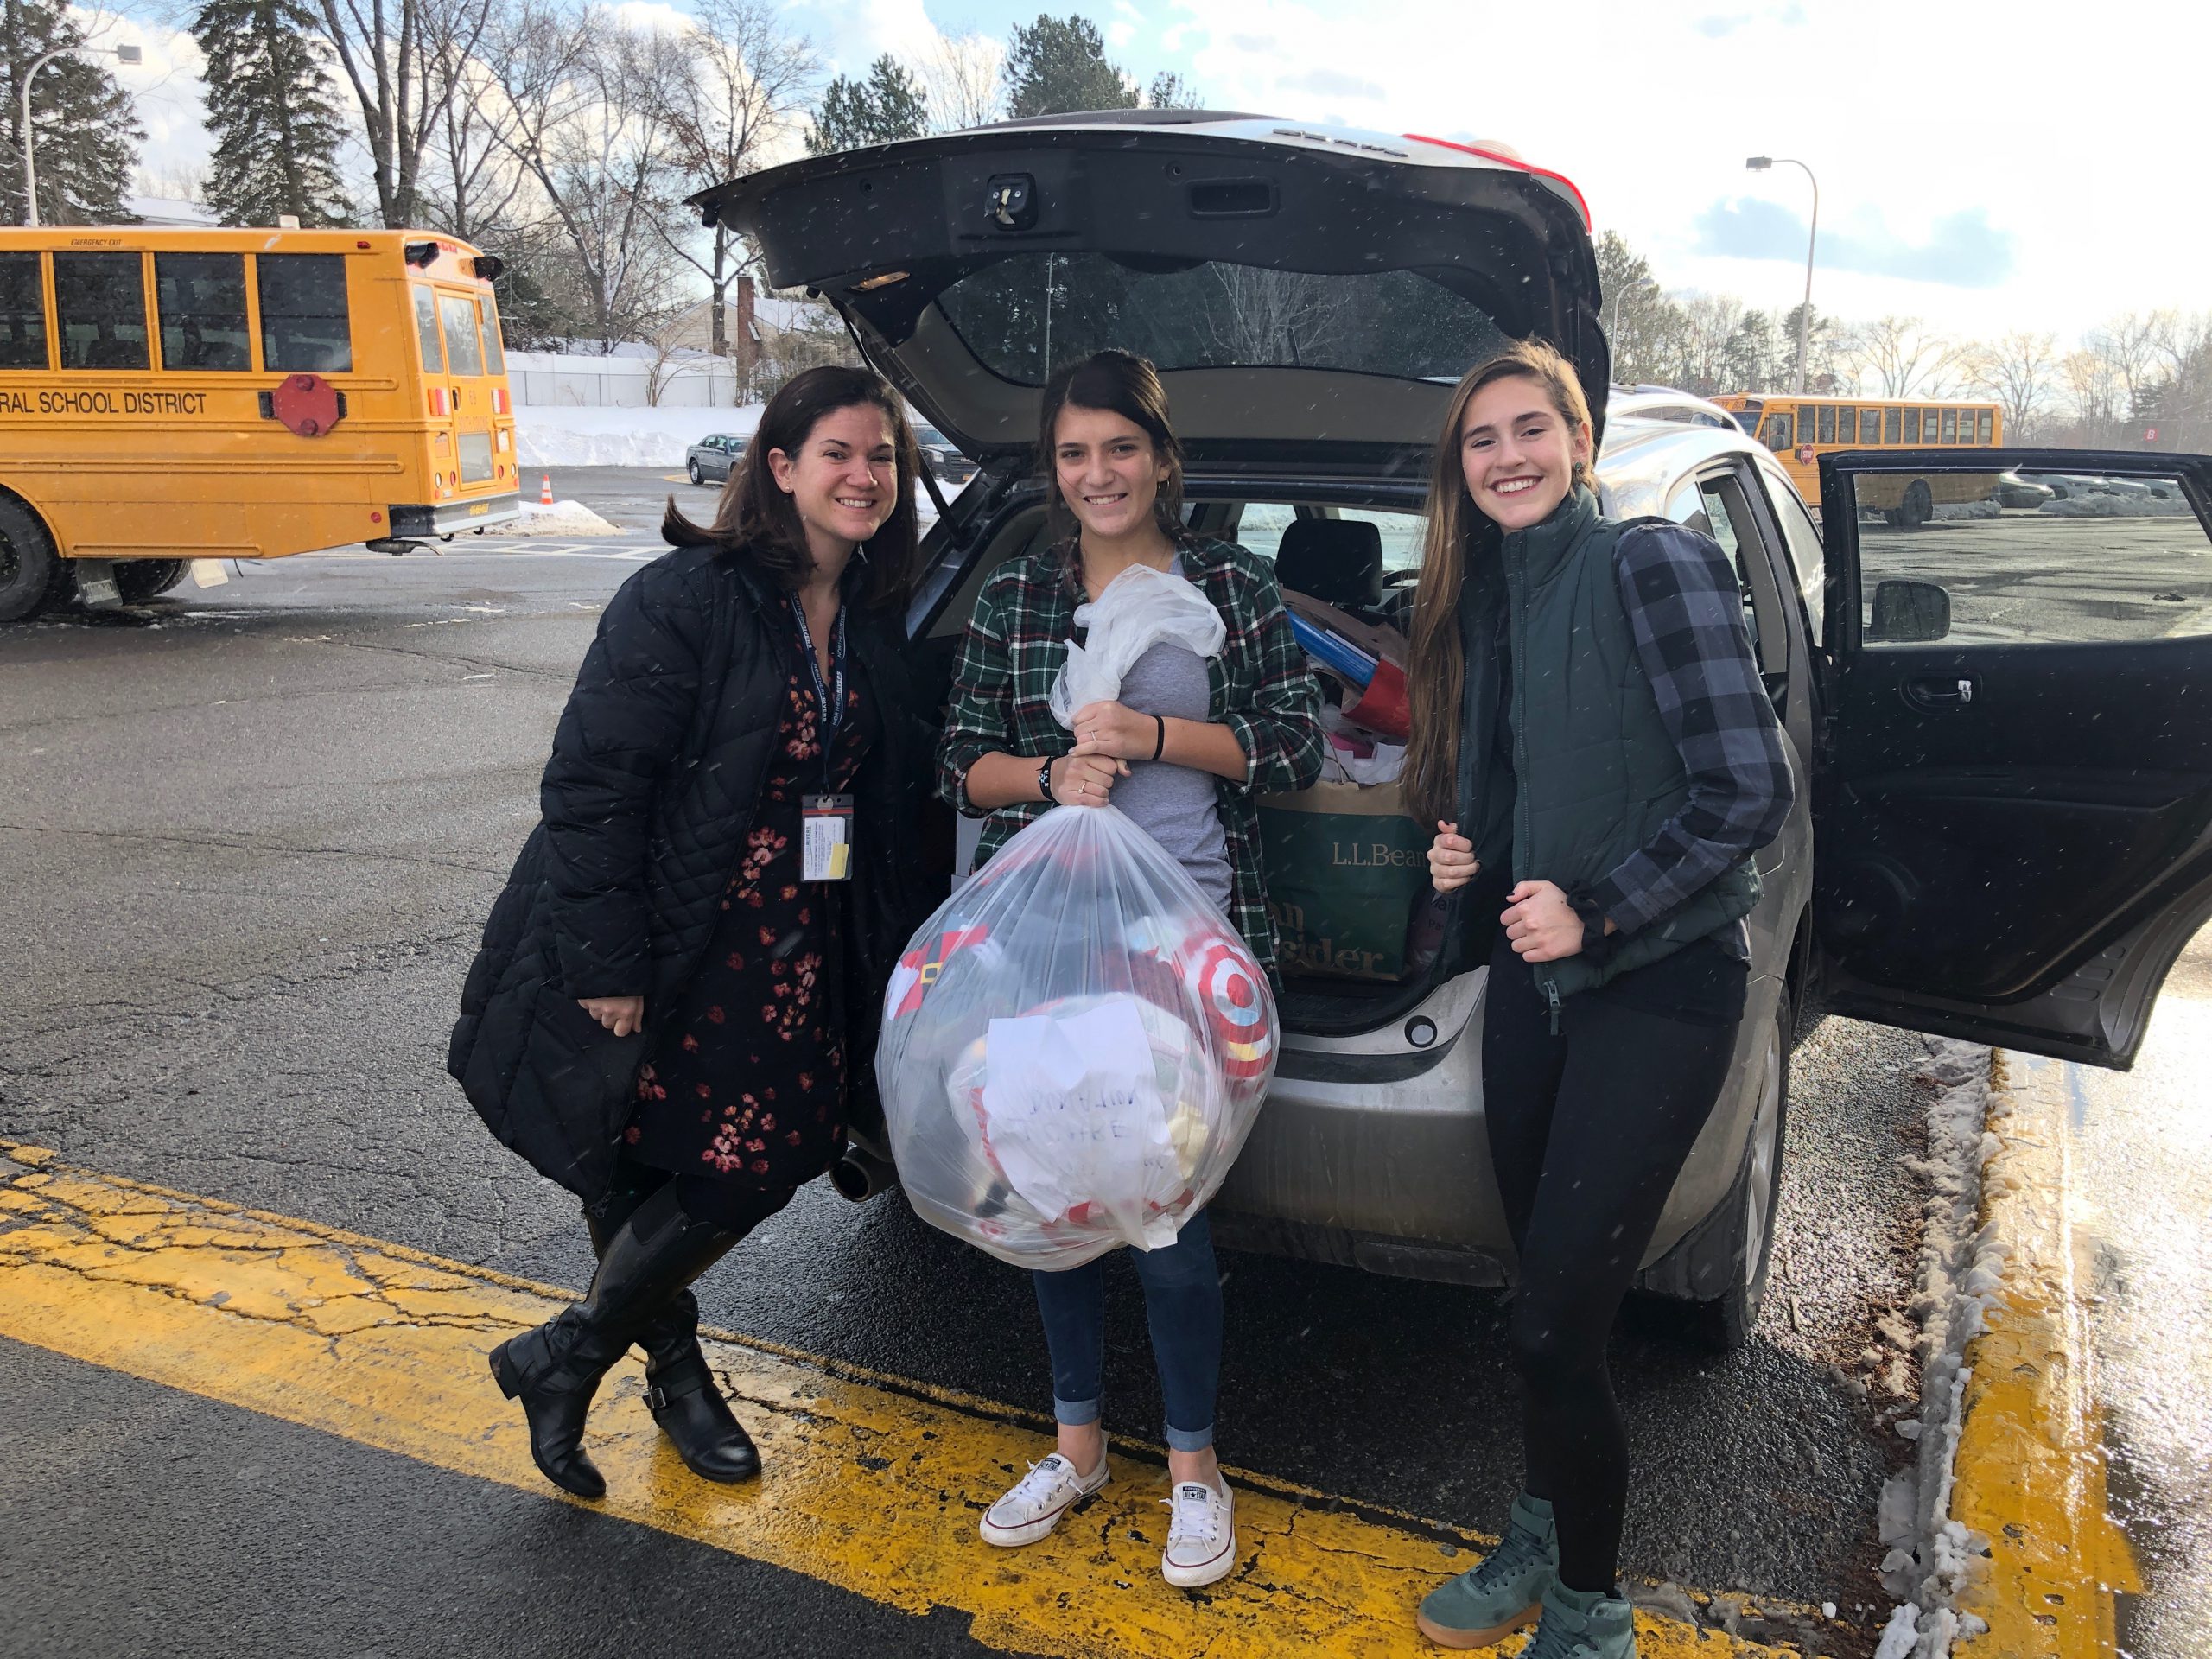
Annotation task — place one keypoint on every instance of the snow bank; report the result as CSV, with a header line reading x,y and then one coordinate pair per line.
x,y
1961,1268
2104,505
550,436
562,518
1968,510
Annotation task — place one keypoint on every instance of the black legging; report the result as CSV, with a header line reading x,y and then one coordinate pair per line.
x,y
1587,1130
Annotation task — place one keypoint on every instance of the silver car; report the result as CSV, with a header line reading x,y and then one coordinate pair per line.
x,y
2014,820
711,459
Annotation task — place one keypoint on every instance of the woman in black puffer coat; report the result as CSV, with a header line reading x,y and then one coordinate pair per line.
x,y
669,1015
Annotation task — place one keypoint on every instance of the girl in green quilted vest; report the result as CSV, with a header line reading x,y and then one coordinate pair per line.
x,y
1594,744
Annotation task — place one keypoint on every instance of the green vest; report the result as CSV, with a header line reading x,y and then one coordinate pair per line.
x,y
1593,773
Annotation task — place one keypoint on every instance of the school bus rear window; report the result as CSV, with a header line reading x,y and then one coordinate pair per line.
x,y
199,299
426,330
304,317
22,313
463,354
495,355
99,302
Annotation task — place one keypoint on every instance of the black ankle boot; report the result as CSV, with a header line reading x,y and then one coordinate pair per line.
x,y
556,1369
680,1388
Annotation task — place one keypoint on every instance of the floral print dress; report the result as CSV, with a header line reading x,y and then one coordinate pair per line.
x,y
746,1080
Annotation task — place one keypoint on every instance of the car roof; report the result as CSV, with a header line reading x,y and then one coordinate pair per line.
x,y
1642,460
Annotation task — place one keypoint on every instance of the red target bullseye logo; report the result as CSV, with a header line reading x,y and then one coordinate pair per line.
x,y
1228,988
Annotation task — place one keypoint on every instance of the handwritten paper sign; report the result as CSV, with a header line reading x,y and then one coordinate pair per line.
x,y
1075,1116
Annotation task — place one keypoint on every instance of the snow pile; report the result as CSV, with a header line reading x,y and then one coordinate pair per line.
x,y
562,518
552,435
2109,504
1968,510
1961,1270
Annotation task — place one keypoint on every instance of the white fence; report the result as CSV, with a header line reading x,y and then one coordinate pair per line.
x,y
570,381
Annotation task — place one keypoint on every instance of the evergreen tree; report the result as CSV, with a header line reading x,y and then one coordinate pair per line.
x,y
87,131
889,105
1058,65
272,109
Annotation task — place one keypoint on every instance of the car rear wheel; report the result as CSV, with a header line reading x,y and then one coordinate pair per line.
x,y
1718,1274
138,580
697,476
32,574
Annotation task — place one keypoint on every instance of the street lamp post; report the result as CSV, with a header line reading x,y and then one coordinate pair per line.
x,y
123,55
1759,164
1621,293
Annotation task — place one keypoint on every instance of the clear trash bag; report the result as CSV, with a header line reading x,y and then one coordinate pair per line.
x,y
1074,1047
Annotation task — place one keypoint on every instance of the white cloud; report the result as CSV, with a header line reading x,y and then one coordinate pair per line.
x,y
1913,113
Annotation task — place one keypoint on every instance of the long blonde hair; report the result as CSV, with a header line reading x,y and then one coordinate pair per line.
x,y
1437,666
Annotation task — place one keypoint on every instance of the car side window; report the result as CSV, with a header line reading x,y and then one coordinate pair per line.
x,y
1808,555
2033,558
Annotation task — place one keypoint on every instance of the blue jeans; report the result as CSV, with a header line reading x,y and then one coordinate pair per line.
x,y
1182,1301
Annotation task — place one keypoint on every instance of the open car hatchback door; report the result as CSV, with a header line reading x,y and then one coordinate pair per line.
x,y
2013,810
1309,295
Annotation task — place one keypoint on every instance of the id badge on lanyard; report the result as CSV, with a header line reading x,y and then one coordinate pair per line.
x,y
826,820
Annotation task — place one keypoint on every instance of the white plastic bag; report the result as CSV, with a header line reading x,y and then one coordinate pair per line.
x,y
1141,607
1074,1048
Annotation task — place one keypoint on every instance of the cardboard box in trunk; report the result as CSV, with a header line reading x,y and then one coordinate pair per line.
x,y
1345,868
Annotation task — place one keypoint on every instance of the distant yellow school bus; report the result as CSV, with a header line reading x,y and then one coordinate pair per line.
x,y
1798,430
168,395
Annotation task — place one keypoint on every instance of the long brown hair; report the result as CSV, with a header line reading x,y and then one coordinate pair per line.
x,y
756,521
1121,385
1458,533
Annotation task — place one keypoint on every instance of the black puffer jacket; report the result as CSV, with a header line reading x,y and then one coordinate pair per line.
x,y
658,759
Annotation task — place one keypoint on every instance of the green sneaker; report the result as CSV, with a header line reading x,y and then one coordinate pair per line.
x,y
1501,1592
1582,1624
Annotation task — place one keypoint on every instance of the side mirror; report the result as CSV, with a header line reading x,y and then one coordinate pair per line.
x,y
1909,612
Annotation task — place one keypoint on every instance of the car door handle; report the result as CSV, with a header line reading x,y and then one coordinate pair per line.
x,y
1942,693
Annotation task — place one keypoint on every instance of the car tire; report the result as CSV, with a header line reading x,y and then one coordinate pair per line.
x,y
1919,506
33,576
697,476
140,580
1717,1276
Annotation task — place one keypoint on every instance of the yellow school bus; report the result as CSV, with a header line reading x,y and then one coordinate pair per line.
x,y
170,395
1798,430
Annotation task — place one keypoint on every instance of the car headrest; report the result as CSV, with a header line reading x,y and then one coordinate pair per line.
x,y
1336,560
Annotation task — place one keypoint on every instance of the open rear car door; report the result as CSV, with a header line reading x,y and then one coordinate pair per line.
x,y
2014,805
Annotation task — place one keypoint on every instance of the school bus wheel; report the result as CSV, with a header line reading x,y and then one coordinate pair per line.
x,y
33,576
1917,509
140,580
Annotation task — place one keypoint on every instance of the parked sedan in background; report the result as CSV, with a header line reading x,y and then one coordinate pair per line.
x,y
710,460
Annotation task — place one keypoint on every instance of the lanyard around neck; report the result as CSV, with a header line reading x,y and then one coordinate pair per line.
x,y
828,697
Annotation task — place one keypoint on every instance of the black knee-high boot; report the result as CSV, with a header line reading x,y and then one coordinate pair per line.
x,y
680,1388
556,1369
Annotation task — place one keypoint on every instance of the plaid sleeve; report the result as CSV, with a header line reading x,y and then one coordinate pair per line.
x,y
1687,611
1280,733
979,719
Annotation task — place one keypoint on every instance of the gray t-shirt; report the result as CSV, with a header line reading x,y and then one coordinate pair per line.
x,y
1175,805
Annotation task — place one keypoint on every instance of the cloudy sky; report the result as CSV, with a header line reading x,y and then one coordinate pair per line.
x,y
1984,166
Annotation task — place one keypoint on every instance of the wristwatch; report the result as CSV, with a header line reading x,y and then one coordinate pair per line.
x,y
1045,778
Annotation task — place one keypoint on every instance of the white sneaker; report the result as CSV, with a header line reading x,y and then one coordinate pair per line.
x,y
1201,1535
1038,1499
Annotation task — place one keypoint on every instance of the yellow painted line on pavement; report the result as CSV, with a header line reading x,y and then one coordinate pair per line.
x,y
871,1485
2030,1462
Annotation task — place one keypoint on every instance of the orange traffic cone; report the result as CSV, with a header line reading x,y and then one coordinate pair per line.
x,y
545,489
